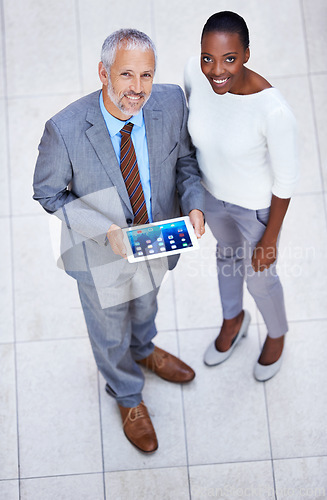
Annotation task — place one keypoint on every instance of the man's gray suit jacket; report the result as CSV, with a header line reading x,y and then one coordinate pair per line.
x,y
78,178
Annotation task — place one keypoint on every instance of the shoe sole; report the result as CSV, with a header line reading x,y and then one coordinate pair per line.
x,y
172,381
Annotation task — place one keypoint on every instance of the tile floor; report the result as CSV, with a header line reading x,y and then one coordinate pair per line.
x,y
225,435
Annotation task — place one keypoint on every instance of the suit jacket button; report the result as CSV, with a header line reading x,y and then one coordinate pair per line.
x,y
129,221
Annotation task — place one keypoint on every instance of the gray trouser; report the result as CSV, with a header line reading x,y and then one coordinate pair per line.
x,y
237,231
120,335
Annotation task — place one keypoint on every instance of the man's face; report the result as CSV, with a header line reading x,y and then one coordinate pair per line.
x,y
129,84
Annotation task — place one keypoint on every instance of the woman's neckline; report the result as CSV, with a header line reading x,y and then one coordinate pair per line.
x,y
246,96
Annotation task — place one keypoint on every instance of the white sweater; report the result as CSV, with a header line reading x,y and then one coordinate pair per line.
x,y
246,144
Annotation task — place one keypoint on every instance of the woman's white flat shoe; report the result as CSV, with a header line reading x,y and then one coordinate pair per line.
x,y
265,372
213,357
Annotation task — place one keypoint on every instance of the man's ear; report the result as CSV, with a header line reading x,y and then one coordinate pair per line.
x,y
103,75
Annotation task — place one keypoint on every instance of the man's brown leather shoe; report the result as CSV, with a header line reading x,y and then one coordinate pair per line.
x,y
167,366
138,427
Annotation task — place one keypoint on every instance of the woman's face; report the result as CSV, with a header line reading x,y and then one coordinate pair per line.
x,y
222,59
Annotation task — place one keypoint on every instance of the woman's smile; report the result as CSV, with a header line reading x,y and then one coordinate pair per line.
x,y
220,82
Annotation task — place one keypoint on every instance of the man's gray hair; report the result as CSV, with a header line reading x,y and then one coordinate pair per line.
x,y
128,38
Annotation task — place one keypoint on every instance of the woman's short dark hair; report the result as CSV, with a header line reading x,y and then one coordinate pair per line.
x,y
228,22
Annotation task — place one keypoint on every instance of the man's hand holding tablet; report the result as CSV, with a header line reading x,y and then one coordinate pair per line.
x,y
115,237
197,221
158,239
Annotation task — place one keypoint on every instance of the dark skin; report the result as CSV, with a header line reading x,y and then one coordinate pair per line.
x,y
222,61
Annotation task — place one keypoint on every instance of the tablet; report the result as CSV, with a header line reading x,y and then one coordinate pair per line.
x,y
158,239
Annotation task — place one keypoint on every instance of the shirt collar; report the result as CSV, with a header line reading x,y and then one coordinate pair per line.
x,y
113,124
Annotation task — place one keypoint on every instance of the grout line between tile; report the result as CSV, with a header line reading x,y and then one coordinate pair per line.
x,y
186,447
174,300
79,46
181,466
153,22
31,341
268,425
49,476
313,106
270,444
258,322
43,96
211,327
182,390
154,33
305,33
299,458
85,337
101,437
19,216
299,75
309,193
257,461
185,437
6,111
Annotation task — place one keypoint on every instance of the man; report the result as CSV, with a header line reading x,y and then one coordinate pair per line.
x,y
88,155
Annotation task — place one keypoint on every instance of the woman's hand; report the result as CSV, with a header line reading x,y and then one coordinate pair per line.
x,y
264,255
265,252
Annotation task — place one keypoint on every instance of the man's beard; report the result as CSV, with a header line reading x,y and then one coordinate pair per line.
x,y
118,102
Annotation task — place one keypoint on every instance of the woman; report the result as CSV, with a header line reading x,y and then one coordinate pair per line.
x,y
245,135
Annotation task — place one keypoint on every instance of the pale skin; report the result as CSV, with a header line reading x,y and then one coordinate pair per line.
x,y
130,80
222,61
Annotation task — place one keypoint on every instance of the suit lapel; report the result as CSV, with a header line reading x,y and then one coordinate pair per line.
x,y
154,134
99,138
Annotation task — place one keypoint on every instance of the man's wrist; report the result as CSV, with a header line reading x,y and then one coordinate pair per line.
x,y
199,210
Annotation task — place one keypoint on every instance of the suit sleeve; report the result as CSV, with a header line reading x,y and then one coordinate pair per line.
x,y
52,177
189,186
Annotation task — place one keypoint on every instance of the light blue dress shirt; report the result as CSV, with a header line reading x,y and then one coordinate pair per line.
x,y
140,145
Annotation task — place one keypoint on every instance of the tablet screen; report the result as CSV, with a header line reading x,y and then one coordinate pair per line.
x,y
157,239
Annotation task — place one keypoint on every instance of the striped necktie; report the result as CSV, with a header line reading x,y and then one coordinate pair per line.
x,y
131,175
